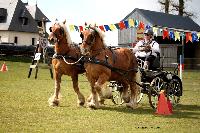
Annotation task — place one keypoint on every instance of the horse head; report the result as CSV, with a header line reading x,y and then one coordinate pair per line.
x,y
92,40
59,32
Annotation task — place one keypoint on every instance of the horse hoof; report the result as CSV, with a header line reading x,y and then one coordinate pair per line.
x,y
81,103
53,103
92,106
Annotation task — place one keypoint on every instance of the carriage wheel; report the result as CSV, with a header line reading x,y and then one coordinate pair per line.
x,y
157,85
116,97
175,91
140,95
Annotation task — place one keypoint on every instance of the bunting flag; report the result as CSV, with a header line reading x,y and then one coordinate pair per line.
x,y
117,26
136,23
107,28
188,37
177,36
71,27
122,25
171,35
198,34
126,24
131,23
141,26
155,31
194,37
81,28
76,28
112,27
165,34
101,28
148,27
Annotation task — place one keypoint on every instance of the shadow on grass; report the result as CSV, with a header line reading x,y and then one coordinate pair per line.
x,y
181,111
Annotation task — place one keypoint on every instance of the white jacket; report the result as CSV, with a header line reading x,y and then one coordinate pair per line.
x,y
154,49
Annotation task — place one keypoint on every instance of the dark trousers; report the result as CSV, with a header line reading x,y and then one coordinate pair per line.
x,y
150,59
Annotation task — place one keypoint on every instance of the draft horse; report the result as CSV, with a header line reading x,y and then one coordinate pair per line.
x,y
65,62
106,64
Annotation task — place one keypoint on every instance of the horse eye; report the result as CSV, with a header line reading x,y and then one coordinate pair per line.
x,y
50,29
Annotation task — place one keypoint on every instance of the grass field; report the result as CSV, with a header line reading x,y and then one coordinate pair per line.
x,y
24,107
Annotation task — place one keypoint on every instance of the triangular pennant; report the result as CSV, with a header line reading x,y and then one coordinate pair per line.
x,y
122,25
165,34
131,23
71,27
117,26
102,28
126,24
148,27
141,25
81,28
136,23
107,28
188,37
171,35
155,31
177,35
194,37
112,27
76,28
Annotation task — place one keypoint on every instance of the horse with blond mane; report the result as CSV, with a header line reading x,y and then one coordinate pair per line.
x,y
106,64
66,61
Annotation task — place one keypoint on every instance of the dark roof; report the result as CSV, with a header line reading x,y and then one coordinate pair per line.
x,y
167,20
16,23
40,16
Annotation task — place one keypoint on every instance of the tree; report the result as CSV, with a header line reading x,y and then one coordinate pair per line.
x,y
165,5
180,8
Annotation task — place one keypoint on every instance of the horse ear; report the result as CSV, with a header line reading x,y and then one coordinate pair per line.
x,y
82,36
64,21
50,29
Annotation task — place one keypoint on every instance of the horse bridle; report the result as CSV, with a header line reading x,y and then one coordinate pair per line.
x,y
61,31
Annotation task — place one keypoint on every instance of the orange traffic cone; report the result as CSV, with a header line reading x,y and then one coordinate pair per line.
x,y
164,107
4,68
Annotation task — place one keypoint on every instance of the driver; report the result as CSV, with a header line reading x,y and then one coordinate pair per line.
x,y
147,49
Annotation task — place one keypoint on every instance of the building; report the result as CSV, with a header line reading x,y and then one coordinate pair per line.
x,y
19,22
169,49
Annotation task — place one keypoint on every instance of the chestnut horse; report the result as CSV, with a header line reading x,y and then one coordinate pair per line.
x,y
106,64
63,62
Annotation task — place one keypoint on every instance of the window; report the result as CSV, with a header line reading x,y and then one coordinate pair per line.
x,y
15,40
33,41
3,15
25,21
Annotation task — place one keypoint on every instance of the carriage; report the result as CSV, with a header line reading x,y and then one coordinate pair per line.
x,y
152,82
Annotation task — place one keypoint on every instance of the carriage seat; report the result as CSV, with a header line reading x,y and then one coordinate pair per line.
x,y
156,63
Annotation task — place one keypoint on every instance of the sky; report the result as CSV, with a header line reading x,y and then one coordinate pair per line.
x,y
101,12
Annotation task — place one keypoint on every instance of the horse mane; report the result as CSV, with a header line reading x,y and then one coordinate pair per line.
x,y
69,41
100,33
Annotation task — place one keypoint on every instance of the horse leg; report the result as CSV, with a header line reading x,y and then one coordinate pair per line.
x,y
54,100
98,86
81,98
92,100
133,96
125,94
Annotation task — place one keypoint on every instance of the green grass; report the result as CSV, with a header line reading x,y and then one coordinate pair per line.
x,y
24,107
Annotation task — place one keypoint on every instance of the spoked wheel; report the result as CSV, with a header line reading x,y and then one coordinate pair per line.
x,y
156,86
175,91
139,95
116,92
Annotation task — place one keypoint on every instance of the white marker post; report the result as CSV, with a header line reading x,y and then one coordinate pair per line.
x,y
181,67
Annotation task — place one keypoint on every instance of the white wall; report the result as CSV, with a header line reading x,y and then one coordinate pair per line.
x,y
23,37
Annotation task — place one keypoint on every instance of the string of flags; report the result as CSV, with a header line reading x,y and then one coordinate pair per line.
x,y
133,23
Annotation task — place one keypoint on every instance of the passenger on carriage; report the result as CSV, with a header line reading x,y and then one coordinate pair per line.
x,y
147,50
